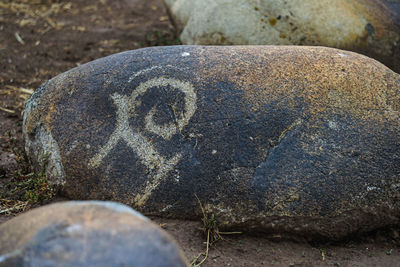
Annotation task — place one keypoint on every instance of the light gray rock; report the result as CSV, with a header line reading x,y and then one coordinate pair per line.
x,y
365,26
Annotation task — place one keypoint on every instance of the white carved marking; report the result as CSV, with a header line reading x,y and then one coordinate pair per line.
x,y
333,125
138,142
371,188
141,72
185,54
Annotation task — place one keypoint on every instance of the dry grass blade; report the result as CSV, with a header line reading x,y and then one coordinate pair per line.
x,y
194,264
7,110
210,226
22,93
19,38
12,206
20,89
51,22
18,93
34,10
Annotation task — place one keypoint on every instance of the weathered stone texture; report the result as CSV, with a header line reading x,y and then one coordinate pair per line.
x,y
288,139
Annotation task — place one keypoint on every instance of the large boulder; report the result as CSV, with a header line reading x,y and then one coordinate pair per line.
x,y
288,139
370,27
90,233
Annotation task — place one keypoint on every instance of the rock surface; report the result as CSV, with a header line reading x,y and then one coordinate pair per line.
x,y
302,140
86,233
370,27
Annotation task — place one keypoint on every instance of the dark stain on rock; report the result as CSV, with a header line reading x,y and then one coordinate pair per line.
x,y
272,21
369,28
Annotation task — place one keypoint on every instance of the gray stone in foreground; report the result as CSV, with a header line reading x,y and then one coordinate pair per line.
x,y
86,233
303,140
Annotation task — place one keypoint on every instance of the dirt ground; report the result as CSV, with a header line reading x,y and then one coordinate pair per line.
x,y
42,38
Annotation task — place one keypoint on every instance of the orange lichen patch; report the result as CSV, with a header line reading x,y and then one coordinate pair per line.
x,y
51,110
323,78
272,21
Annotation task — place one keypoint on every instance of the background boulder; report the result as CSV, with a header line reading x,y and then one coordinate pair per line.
x,y
370,27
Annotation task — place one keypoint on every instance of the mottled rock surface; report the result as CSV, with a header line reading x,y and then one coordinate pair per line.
x,y
370,27
86,233
302,140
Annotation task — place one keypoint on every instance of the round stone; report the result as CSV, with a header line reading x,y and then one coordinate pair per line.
x,y
86,233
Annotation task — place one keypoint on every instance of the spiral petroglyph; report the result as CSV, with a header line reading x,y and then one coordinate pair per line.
x,y
137,141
